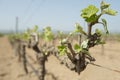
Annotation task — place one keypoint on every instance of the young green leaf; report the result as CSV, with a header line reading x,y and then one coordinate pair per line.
x,y
79,29
47,34
89,11
104,5
98,32
110,12
99,41
25,35
92,18
77,48
84,44
46,29
35,28
105,26
62,50
85,52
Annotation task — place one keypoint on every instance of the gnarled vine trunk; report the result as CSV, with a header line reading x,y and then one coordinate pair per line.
x,y
41,61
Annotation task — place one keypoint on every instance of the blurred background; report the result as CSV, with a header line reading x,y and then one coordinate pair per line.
x,y
60,15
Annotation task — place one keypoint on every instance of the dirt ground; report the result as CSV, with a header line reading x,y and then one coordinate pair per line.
x,y
11,69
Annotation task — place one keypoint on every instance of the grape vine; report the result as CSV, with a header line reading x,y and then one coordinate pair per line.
x,y
77,56
80,52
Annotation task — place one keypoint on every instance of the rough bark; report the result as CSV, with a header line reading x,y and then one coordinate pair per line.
x,y
41,60
24,60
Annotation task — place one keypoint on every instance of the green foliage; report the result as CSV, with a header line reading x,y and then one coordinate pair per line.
x,y
89,13
109,12
47,34
79,29
85,51
77,48
80,49
98,32
105,26
99,41
104,5
91,16
35,29
13,37
84,44
62,49
25,36
105,9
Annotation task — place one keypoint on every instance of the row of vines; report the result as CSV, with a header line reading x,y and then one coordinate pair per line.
x,y
77,55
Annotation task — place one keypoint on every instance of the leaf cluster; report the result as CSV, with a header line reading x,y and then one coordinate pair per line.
x,y
25,36
91,15
47,34
105,9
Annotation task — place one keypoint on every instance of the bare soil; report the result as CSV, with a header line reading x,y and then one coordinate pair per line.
x,y
12,69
